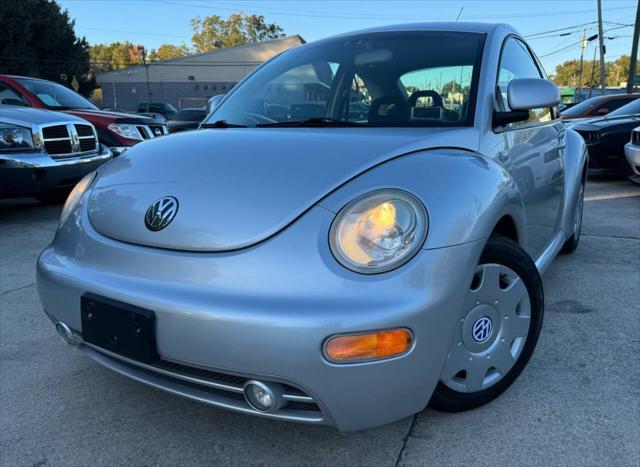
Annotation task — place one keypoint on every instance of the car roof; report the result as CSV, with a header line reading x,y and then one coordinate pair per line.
x,y
486,28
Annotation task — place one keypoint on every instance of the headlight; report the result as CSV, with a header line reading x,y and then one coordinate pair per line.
x,y
15,138
126,130
75,196
379,231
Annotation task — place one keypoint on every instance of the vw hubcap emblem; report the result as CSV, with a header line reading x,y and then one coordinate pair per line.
x,y
161,213
482,329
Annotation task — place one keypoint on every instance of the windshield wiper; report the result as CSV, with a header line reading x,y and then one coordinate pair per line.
x,y
222,124
312,122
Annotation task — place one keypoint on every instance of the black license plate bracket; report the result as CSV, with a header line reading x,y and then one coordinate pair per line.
x,y
121,328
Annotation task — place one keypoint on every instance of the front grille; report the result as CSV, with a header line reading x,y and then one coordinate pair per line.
x,y
635,138
156,130
87,145
144,132
590,137
69,140
209,386
58,131
58,147
84,130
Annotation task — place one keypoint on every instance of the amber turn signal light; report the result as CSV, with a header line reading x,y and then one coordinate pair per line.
x,y
371,346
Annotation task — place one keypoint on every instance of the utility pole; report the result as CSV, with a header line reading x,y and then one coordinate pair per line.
x,y
593,69
582,47
601,42
634,52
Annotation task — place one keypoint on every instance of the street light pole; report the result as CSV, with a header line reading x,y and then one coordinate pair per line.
x,y
634,52
601,42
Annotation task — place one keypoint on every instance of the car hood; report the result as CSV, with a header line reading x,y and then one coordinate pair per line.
x,y
237,187
171,123
604,122
88,114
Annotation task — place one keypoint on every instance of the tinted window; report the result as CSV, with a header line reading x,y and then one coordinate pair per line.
x,y
609,106
630,108
9,97
192,115
582,107
517,62
374,79
54,95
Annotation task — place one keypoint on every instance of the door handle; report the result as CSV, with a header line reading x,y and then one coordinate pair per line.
x,y
503,155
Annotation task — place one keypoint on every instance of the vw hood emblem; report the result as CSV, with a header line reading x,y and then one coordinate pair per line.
x,y
161,213
482,329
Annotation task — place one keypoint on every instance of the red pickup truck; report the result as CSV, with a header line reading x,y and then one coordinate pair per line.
x,y
116,130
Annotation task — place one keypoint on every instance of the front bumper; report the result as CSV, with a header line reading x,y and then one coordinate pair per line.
x,y
632,153
30,173
264,312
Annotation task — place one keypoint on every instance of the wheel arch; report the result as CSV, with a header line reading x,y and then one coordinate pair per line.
x,y
576,159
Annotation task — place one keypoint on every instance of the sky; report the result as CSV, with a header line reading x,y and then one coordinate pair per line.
x,y
154,22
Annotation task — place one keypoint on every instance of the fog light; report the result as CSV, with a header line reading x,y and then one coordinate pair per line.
x,y
370,346
262,397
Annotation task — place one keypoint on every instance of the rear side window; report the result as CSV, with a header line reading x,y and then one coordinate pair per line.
x,y
517,62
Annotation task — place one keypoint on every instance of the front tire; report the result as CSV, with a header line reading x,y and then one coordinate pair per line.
x,y
572,242
497,331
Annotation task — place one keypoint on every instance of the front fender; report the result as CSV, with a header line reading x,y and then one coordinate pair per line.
x,y
465,193
576,158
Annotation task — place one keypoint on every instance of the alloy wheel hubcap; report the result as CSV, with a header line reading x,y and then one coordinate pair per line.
x,y
492,331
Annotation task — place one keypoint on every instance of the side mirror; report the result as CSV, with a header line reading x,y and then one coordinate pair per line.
x,y
524,94
532,93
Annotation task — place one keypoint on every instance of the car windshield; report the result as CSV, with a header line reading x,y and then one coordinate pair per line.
x,y
580,108
406,79
191,115
632,107
54,95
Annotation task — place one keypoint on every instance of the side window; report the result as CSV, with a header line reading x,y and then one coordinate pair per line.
x,y
516,62
609,106
9,97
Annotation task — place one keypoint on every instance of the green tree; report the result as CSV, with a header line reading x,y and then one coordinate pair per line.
x,y
37,39
214,32
168,52
616,72
107,57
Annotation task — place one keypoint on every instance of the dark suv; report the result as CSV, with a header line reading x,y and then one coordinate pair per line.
x,y
166,110
116,130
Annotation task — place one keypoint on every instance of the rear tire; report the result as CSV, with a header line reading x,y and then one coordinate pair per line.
x,y
506,286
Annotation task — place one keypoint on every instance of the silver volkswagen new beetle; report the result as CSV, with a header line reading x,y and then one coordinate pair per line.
x,y
359,231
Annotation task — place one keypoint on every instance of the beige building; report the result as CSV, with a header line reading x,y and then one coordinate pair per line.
x,y
188,81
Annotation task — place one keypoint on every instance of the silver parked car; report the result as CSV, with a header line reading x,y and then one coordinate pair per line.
x,y
45,153
302,261
632,153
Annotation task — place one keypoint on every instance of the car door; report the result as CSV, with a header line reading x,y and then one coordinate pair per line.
x,y
533,152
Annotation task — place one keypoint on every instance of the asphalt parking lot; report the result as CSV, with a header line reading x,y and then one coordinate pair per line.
x,y
578,401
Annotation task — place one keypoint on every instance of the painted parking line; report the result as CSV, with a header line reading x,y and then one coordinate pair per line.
x,y
610,196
